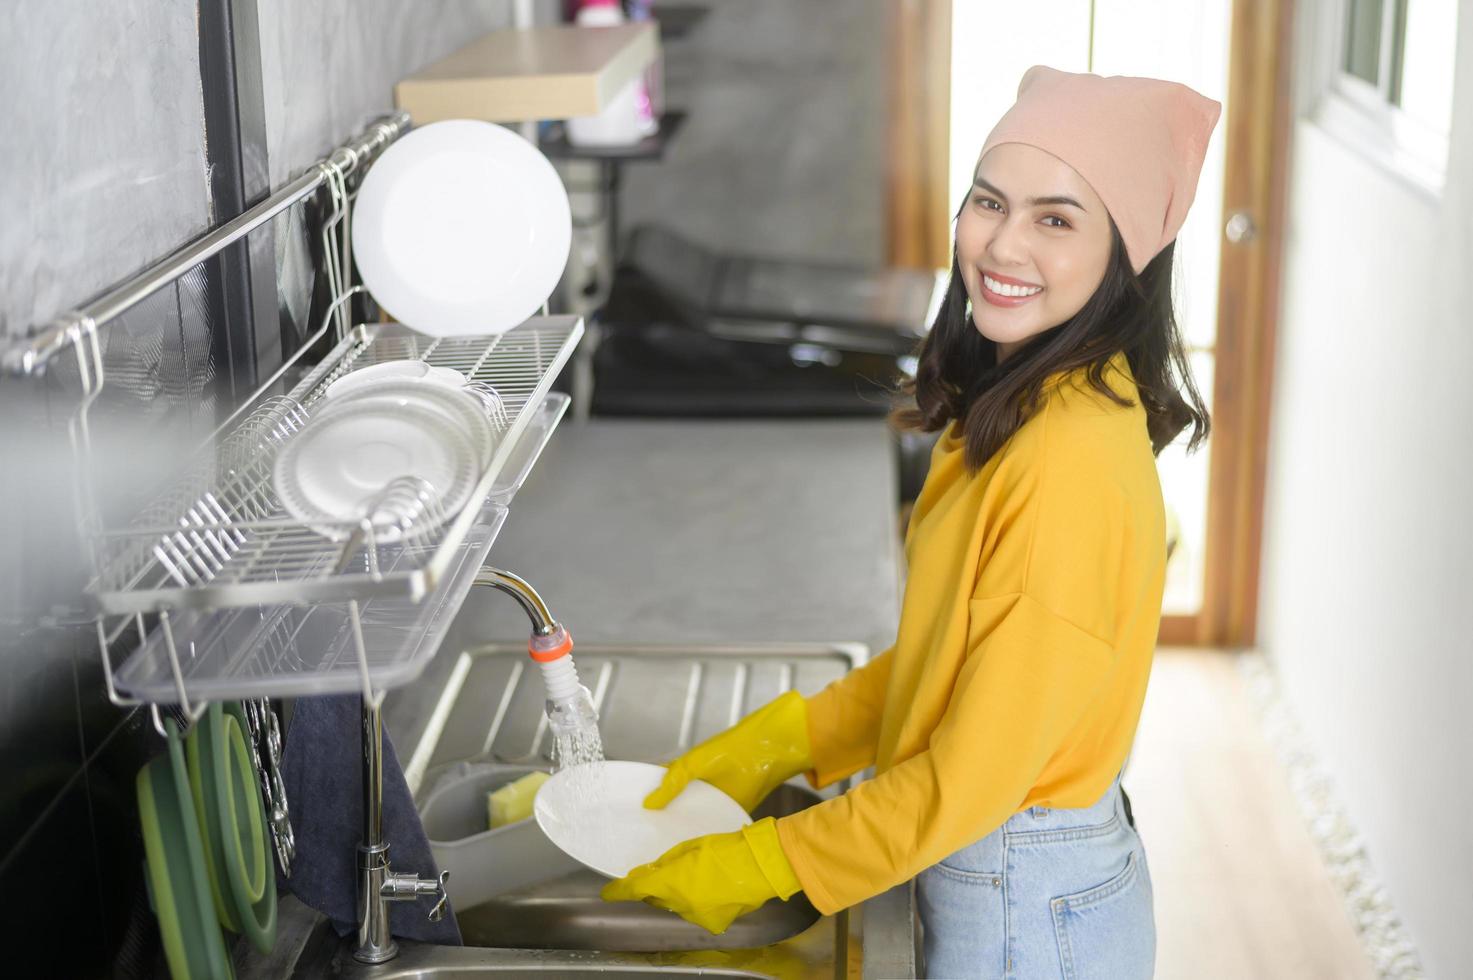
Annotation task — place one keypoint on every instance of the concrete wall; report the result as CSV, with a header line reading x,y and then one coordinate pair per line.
x,y
102,159
328,67
783,151
1368,552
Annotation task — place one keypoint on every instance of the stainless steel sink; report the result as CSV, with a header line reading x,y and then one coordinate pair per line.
x,y
653,702
417,961
484,707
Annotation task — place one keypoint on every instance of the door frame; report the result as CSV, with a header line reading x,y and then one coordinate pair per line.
x,y
917,210
1260,114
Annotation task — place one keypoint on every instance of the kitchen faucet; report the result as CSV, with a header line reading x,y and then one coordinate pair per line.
x,y
377,884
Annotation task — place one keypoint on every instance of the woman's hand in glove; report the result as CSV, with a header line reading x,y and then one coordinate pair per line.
x,y
748,760
712,880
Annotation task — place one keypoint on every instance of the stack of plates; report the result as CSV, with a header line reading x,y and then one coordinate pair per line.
x,y
400,443
408,369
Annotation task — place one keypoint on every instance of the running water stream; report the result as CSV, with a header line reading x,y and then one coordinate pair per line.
x,y
576,739
576,742
571,715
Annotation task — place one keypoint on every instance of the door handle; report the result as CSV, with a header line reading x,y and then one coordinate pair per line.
x,y
1240,229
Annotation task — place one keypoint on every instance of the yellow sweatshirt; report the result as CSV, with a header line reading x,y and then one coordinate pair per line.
x,y
1032,603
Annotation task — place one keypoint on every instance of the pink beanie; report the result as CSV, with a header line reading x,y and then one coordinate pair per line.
x,y
1139,142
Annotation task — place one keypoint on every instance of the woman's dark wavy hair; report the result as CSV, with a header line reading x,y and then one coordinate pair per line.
x,y
958,377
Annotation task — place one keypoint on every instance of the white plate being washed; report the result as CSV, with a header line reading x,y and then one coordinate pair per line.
x,y
461,227
596,814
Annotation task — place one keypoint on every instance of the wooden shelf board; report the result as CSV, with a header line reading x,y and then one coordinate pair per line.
x,y
554,72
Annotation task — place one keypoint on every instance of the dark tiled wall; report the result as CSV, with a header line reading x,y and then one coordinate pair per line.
x,y
70,852
101,171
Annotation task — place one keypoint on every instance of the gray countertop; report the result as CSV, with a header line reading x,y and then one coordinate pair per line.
x,y
668,530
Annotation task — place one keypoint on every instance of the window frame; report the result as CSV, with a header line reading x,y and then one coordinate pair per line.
x,y
1362,115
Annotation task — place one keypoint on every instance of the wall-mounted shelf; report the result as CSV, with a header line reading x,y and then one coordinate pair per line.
x,y
555,72
555,146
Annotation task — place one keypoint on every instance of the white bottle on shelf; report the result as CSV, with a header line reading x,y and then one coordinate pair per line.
x,y
651,96
621,123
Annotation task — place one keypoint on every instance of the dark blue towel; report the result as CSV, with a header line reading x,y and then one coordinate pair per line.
x,y
322,765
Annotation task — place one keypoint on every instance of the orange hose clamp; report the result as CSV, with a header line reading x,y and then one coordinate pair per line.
x,y
563,646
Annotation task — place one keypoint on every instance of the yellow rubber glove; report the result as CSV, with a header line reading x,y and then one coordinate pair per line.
x,y
712,880
748,760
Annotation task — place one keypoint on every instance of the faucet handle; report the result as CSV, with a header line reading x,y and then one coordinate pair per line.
x,y
438,912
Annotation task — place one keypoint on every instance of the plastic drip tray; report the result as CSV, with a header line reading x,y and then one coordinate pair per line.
x,y
484,863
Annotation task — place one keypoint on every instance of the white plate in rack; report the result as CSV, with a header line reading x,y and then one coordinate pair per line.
x,y
595,812
464,408
330,472
406,369
445,376
461,227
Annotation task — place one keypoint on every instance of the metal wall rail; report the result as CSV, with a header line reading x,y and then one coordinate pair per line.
x,y
31,356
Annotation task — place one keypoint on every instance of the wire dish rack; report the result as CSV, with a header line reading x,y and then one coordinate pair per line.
x,y
253,602
223,539
215,591
291,650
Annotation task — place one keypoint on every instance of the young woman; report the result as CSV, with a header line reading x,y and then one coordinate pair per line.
x,y
1000,721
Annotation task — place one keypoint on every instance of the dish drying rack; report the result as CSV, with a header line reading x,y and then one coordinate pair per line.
x,y
217,590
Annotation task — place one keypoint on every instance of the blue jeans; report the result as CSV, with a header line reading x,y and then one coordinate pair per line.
x,y
1051,893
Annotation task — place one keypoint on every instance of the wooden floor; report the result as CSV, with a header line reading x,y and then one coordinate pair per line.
x,y
1240,888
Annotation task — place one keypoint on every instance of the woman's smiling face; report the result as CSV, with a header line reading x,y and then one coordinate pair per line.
x,y
1029,218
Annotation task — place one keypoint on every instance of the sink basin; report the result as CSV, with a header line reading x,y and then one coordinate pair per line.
x,y
654,700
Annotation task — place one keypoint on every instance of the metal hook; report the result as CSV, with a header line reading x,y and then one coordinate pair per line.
x,y
438,912
191,714
82,335
332,248
345,232
103,644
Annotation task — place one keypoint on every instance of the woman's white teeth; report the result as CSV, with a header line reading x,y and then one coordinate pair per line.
x,y
1004,289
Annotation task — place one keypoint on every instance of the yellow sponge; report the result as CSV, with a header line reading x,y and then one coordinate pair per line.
x,y
513,801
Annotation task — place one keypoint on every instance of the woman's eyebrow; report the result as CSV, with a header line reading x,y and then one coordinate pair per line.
x,y
1057,199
